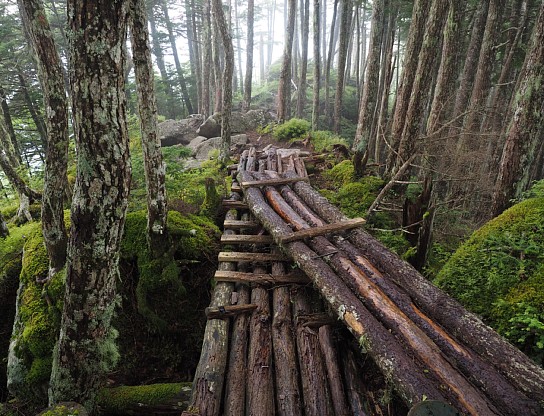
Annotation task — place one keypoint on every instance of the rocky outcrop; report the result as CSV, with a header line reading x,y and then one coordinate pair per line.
x,y
202,149
172,132
239,123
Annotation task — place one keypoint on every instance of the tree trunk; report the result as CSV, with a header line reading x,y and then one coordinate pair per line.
x,y
317,67
86,347
523,137
155,169
194,49
413,45
205,106
422,80
56,106
179,69
345,35
305,29
4,230
226,110
329,58
249,57
369,101
9,125
284,88
157,51
217,67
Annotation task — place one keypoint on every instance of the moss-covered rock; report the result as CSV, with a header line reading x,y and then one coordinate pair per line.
x,y
498,273
120,400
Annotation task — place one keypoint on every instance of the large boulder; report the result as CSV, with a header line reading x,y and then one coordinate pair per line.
x,y
239,122
203,149
172,132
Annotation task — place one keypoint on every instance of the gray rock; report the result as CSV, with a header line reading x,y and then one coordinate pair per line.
x,y
203,149
195,142
172,132
238,139
192,164
239,122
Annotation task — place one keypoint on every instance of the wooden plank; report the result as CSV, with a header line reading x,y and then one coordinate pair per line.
x,y
236,224
246,239
272,182
222,312
234,204
253,257
324,229
261,278
235,187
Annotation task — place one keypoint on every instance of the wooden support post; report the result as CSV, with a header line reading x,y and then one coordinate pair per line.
x,y
228,311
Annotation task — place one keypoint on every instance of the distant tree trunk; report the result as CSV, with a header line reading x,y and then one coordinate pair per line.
x,y
159,57
422,80
155,170
239,52
323,25
271,22
56,161
413,45
217,68
179,69
329,56
205,107
249,57
31,106
317,67
284,89
345,35
9,124
194,50
86,347
470,65
370,90
482,81
226,110
305,29
262,73
523,136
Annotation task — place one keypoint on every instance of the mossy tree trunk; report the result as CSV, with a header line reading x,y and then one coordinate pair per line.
x,y
155,170
228,70
4,231
86,349
524,136
56,106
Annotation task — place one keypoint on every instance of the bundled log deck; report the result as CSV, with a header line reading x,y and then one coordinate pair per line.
x,y
294,273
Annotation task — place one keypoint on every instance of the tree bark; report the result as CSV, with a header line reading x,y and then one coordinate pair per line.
x,y
305,29
86,346
328,62
226,107
317,66
523,140
56,160
4,230
370,93
345,35
205,106
284,88
413,45
9,125
249,55
155,169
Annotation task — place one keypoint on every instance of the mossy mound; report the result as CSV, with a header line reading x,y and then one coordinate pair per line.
x,y
119,400
499,274
36,327
11,253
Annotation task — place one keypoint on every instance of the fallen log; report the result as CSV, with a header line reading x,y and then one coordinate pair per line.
x,y
210,372
427,351
451,315
260,382
288,394
315,386
333,371
408,378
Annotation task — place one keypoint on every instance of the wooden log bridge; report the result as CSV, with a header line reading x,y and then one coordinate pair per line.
x,y
296,277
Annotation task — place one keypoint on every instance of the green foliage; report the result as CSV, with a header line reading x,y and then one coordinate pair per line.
x,y
323,140
115,401
536,191
340,174
292,129
354,198
498,274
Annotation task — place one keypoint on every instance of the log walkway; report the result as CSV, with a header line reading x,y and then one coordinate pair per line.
x,y
294,273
